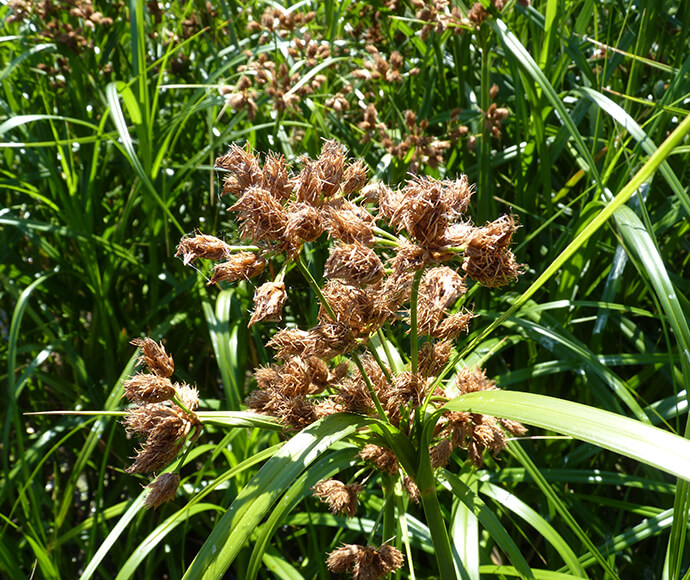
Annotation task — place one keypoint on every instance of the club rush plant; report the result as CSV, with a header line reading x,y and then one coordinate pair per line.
x,y
397,258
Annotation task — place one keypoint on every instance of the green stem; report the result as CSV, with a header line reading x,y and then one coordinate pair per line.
x,y
434,518
386,348
414,342
382,366
384,234
389,521
180,404
315,287
370,387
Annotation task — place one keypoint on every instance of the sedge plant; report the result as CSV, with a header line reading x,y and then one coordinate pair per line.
x,y
375,393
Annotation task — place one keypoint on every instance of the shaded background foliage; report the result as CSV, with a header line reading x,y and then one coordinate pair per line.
x,y
112,116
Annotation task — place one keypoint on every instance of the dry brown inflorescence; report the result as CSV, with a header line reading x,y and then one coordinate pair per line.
x,y
397,256
380,238
163,415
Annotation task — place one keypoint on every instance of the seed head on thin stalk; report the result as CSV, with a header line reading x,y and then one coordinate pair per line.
x,y
154,357
161,490
340,497
239,266
269,300
202,246
365,562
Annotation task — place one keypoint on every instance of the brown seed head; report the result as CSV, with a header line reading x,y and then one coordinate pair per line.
x,y
202,246
451,326
425,206
329,340
153,355
382,458
353,396
341,498
348,222
411,488
352,306
262,216
307,184
439,289
408,390
162,489
354,264
269,300
242,265
290,342
366,562
433,357
165,428
304,223
355,177
440,453
487,257
331,164
243,170
275,178
148,388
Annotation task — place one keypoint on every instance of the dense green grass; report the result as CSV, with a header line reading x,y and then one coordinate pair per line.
x,y
108,146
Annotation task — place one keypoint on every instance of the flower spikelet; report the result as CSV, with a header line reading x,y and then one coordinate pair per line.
x,y
331,167
487,257
348,222
341,498
241,265
307,184
304,223
433,357
354,178
275,178
439,289
162,489
290,342
165,428
153,355
188,395
263,217
202,246
148,388
351,305
269,300
243,170
354,264
366,562
383,459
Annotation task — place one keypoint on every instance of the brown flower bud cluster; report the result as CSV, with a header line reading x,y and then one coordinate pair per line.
x,y
380,68
439,16
376,247
365,562
164,424
340,497
472,431
495,115
418,145
274,78
67,23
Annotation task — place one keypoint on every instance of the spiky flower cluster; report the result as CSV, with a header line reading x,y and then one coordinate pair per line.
x,y
390,262
365,562
163,414
369,277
